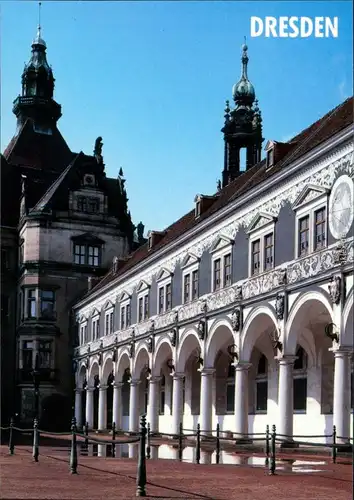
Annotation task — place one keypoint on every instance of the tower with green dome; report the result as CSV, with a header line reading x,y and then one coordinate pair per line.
x,y
243,126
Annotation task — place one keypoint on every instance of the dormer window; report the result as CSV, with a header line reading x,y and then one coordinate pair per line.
x,y
154,237
202,203
270,158
197,209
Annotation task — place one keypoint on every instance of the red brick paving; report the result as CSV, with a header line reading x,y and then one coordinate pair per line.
x,y
108,479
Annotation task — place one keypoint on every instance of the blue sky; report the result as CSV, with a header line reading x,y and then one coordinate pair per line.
x,y
152,78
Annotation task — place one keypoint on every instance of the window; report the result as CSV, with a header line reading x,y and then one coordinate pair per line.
x,y
187,288
165,298
161,300
270,157
168,301
143,307
190,281
195,284
87,255
45,354
300,380
47,298
304,236
230,389
320,228
162,395
124,316
268,251
227,270
197,208
93,205
31,303
262,385
95,328
256,254
82,203
83,334
217,274
109,323
27,355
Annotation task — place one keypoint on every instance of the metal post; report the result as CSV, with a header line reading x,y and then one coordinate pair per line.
x,y
11,437
148,447
267,445
113,439
272,455
180,442
86,431
73,452
141,475
197,451
217,457
334,448
35,453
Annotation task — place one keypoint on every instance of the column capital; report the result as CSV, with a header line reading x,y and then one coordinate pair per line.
x,y
178,376
90,388
118,385
342,351
103,388
286,360
207,371
242,366
78,390
135,382
155,380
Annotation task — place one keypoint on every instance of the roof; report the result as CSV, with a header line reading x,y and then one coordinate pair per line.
x,y
333,122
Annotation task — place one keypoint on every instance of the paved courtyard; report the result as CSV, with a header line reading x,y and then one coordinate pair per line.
x,y
108,479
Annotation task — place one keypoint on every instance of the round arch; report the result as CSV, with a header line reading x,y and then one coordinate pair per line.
x,y
261,319
220,335
309,304
107,368
190,341
81,375
163,352
93,371
123,364
141,358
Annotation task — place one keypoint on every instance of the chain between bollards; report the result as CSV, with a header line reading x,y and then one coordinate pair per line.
x,y
113,439
35,453
141,475
148,447
11,437
197,450
334,443
267,445
180,442
272,454
217,454
73,452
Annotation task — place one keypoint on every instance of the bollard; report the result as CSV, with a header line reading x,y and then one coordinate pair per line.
x,y
11,437
148,447
73,451
197,451
180,442
86,431
272,453
267,445
334,448
217,455
141,475
35,453
113,439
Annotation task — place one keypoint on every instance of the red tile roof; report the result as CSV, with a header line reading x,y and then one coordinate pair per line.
x,y
333,122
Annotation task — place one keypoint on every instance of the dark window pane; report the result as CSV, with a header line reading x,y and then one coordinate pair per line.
x,y
300,393
261,395
230,398
161,301
262,365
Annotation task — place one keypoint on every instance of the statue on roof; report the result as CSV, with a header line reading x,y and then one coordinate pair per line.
x,y
98,150
140,231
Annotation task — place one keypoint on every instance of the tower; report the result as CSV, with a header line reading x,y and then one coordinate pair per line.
x,y
243,126
36,100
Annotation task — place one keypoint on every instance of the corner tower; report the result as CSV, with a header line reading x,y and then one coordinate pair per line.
x,y
242,128
36,100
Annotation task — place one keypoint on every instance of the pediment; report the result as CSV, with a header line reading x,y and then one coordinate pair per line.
x,y
270,144
108,305
95,313
309,193
260,220
82,319
143,285
163,274
124,296
189,260
221,242
87,238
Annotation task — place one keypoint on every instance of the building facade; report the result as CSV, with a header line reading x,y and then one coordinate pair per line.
x,y
62,222
241,312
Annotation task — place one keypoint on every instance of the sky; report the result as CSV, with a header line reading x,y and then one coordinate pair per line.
x,y
152,78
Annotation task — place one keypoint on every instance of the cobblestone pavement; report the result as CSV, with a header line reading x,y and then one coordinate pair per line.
x,y
108,479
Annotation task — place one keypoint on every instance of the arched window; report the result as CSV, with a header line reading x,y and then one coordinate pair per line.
x,y
300,380
262,385
162,395
230,389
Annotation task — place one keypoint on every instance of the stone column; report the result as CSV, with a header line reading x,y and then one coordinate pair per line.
x,y
102,408
117,405
134,406
286,399
89,406
241,399
177,400
153,406
78,407
341,394
206,400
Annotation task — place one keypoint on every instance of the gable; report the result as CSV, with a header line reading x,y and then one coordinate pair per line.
x,y
109,305
220,243
143,285
309,193
124,296
260,220
188,260
163,274
95,312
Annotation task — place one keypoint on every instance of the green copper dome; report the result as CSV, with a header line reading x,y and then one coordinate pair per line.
x,y
243,92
